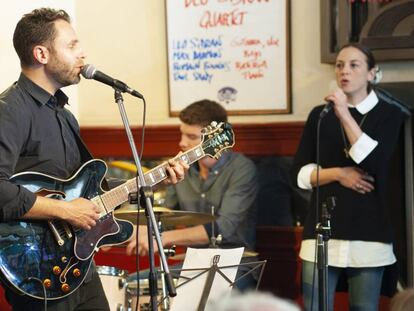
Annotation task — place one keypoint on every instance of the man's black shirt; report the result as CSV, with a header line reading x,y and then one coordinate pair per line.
x,y
36,134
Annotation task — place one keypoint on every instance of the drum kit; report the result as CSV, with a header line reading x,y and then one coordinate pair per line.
x,y
122,294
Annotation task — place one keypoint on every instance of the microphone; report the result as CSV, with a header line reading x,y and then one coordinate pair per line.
x,y
329,105
90,72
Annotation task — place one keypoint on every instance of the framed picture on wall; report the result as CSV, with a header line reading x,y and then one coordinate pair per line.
x,y
234,52
384,26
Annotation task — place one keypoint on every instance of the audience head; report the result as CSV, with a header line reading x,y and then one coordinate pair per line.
x,y
403,301
252,301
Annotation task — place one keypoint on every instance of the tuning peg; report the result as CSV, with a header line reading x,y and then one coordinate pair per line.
x,y
214,123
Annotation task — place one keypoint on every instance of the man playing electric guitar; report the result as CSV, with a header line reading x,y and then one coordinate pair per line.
x,y
38,134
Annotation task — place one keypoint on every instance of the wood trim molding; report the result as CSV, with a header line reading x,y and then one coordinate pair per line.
x,y
279,139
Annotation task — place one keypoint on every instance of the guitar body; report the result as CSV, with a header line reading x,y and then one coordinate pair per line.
x,y
30,251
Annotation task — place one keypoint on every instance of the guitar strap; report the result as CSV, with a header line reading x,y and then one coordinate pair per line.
x,y
86,155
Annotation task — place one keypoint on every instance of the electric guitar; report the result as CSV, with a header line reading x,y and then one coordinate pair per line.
x,y
49,259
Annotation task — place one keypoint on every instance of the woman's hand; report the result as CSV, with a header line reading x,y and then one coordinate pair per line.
x,y
340,103
356,179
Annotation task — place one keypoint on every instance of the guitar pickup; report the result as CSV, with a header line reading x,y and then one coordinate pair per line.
x,y
67,230
55,233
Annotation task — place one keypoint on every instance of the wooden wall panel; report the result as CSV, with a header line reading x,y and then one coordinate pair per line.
x,y
279,139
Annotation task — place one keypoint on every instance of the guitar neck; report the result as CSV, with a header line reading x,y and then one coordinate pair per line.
x,y
115,197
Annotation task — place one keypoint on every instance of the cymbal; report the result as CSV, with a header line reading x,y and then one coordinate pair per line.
x,y
250,254
159,200
167,217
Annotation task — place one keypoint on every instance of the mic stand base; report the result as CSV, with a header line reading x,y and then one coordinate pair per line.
x,y
322,265
323,233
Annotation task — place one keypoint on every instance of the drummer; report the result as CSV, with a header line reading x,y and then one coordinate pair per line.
x,y
227,185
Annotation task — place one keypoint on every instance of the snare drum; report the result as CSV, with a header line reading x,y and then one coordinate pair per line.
x,y
114,284
144,291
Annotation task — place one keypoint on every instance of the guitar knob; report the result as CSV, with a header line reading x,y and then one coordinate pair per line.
x,y
76,273
65,288
56,270
64,259
47,283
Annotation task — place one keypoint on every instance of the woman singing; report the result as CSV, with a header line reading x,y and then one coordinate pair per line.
x,y
357,139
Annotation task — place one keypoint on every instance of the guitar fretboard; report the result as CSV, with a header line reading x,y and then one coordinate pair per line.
x,y
113,198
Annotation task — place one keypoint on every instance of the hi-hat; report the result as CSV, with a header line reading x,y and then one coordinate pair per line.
x,y
167,217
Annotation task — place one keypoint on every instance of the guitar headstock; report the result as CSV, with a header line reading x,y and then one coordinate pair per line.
x,y
217,138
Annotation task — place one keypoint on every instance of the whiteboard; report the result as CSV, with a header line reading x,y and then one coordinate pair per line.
x,y
235,52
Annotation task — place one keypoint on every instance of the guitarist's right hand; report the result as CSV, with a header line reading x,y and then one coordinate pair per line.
x,y
81,213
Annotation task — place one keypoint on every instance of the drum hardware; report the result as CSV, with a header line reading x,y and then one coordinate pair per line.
x,y
114,285
132,294
214,241
169,252
165,218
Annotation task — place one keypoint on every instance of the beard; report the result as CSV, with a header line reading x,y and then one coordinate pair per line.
x,y
62,72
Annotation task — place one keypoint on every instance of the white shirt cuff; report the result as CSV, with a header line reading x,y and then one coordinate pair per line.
x,y
362,148
304,176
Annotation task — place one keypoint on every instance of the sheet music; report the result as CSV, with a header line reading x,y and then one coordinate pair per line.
x,y
189,295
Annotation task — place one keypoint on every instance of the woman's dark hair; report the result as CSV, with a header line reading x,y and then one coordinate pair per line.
x,y
36,28
364,50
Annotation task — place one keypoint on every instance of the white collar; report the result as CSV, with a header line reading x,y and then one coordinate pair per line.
x,y
367,104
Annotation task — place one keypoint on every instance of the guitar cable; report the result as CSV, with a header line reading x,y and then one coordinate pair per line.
x,y
32,278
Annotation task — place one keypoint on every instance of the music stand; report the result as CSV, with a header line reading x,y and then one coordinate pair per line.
x,y
222,285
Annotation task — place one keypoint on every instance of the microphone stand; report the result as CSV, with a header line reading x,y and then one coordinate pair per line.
x,y
323,233
146,194
322,230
